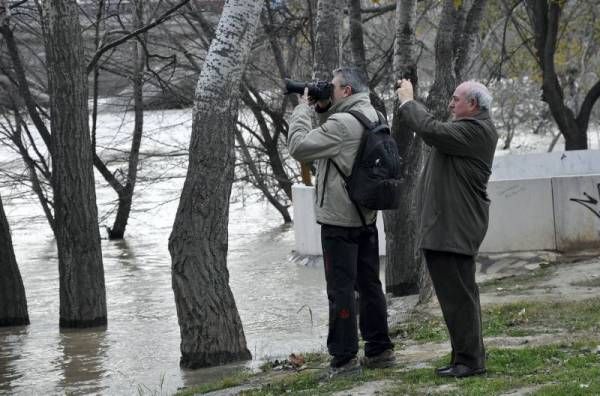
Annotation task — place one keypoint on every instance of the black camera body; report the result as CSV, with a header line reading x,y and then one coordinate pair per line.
x,y
317,90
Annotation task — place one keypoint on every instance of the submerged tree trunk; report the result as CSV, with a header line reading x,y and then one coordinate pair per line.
x,y
402,265
13,303
82,290
210,325
126,192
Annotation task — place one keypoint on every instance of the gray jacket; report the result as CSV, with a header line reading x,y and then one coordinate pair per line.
x,y
453,203
337,139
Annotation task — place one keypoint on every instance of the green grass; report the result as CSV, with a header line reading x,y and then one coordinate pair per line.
x,y
421,327
527,318
226,382
553,370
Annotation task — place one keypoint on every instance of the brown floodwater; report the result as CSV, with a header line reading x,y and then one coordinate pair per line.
x,y
282,303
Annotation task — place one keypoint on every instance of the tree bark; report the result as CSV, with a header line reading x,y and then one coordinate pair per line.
x,y
357,46
327,41
210,325
402,261
13,303
81,273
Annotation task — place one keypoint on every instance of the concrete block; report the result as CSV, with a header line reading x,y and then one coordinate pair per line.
x,y
521,216
577,212
540,165
306,230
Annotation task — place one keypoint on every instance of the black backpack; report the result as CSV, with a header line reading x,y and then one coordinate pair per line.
x,y
375,181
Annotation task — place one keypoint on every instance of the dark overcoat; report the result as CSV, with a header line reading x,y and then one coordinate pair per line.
x,y
453,204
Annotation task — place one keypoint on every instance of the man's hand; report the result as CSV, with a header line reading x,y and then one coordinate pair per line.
x,y
322,104
404,91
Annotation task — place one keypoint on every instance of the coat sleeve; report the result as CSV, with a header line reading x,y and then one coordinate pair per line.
x,y
452,138
306,144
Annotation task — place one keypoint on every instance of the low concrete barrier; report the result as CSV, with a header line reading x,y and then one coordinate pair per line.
x,y
577,212
548,201
521,216
546,165
306,229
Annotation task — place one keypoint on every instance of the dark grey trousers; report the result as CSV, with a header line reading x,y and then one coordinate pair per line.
x,y
453,277
351,258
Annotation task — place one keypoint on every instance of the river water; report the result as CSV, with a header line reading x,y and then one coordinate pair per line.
x,y
282,302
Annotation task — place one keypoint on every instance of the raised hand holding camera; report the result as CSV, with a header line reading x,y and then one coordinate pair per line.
x,y
404,90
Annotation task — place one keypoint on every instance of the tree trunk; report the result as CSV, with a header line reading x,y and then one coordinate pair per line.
x,y
126,193
357,45
544,18
402,264
210,325
327,41
13,303
82,290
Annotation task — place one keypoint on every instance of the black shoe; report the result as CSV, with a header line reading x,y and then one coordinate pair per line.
x,y
351,367
385,359
444,368
460,371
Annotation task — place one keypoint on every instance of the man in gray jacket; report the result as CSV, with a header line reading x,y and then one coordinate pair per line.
x,y
453,209
350,248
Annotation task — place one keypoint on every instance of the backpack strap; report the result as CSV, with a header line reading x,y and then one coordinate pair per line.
x,y
360,214
363,119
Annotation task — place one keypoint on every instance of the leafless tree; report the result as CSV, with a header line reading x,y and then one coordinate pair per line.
x,y
211,330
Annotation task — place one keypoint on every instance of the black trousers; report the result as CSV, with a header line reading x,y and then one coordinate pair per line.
x,y
351,258
453,277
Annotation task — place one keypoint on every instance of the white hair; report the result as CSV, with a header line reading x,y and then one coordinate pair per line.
x,y
479,92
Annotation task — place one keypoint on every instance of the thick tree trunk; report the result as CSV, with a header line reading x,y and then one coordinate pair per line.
x,y
126,193
82,290
210,326
357,45
13,303
402,265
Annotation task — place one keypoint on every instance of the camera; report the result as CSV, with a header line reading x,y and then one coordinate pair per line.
x,y
317,90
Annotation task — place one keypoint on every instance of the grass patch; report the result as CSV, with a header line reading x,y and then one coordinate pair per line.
x,y
226,382
422,327
554,369
527,318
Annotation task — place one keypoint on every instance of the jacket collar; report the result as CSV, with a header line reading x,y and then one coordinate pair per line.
x,y
481,116
350,101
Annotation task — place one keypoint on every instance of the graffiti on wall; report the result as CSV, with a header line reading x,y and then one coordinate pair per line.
x,y
590,202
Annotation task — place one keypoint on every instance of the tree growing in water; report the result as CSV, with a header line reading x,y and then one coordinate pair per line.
x,y
210,325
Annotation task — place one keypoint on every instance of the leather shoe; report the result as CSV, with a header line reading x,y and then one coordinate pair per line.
x,y
444,368
460,371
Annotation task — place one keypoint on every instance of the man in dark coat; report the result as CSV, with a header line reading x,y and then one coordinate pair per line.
x,y
453,209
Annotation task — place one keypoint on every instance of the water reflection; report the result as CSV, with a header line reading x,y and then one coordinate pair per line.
x,y
83,355
11,350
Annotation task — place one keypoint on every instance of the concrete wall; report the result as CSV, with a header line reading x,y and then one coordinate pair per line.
x,y
547,201
521,216
546,165
577,212
306,229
